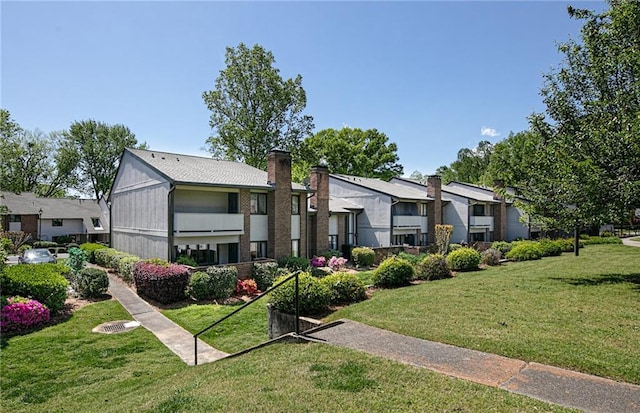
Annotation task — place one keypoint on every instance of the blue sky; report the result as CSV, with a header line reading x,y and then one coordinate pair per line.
x,y
433,76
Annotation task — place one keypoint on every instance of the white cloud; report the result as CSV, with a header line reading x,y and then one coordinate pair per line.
x,y
484,131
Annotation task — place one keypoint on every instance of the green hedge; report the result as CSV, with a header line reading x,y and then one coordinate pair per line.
x,y
90,248
393,272
314,295
42,282
91,282
345,288
525,251
464,259
363,256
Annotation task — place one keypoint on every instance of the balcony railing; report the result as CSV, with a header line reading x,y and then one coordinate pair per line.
x,y
200,223
481,222
410,221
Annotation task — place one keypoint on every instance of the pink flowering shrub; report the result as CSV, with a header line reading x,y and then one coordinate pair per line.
x,y
247,287
318,261
336,263
22,313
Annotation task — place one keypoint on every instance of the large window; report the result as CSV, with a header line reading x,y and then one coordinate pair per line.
x,y
258,249
258,203
56,222
295,205
201,253
232,207
478,210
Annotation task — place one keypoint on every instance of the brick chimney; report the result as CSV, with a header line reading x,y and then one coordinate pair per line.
x,y
434,208
319,182
279,204
500,213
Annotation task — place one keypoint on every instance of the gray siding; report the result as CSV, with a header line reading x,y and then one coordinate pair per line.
x,y
456,213
374,223
515,227
139,210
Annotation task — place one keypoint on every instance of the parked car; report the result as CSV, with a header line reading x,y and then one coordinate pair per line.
x,y
36,256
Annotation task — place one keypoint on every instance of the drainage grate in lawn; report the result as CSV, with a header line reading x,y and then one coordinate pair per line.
x,y
113,327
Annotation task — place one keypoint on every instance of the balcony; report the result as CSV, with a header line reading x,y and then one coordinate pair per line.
x,y
189,223
481,222
410,222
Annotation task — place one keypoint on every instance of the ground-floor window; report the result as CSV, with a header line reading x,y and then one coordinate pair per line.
x,y
402,239
258,249
333,242
202,254
477,237
295,247
424,239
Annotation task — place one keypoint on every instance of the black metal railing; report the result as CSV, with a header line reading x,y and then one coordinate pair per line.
x,y
247,304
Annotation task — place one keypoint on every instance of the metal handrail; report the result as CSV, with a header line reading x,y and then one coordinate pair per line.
x,y
245,305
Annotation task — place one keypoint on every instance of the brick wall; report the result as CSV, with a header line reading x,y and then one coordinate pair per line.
x,y
434,208
319,182
279,204
245,240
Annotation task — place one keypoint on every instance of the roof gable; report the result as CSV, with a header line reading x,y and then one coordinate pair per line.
x,y
387,188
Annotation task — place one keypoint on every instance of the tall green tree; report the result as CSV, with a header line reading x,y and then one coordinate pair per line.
x,y
470,166
97,147
253,109
352,151
588,167
514,158
24,161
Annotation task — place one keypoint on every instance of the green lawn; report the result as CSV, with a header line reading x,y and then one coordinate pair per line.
x,y
581,313
68,368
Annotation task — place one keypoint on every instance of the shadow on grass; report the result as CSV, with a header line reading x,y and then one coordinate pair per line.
x,y
602,280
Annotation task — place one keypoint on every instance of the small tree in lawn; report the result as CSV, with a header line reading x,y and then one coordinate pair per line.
x,y
443,236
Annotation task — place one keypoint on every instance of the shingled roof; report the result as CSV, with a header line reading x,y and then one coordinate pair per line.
x,y
387,188
188,169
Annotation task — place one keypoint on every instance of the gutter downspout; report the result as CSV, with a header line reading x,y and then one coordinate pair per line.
x,y
306,224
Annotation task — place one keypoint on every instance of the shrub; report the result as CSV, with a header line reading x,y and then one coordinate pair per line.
x,y
550,248
294,263
22,313
114,259
264,273
42,282
454,246
3,258
198,287
410,258
464,259
336,263
125,267
602,240
491,257
44,244
77,259
332,253
246,287
502,246
313,295
222,281
606,233
344,288
91,282
566,244
165,284
320,272
432,267
393,272
157,261
318,261
90,248
186,260
363,256
525,251
102,256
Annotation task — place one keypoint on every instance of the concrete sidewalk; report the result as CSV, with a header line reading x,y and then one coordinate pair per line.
x,y
551,384
627,241
176,338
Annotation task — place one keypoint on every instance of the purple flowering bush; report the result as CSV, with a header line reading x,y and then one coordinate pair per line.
x,y
318,261
22,313
336,263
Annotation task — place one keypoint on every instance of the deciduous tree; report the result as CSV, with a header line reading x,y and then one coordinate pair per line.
x,y
253,109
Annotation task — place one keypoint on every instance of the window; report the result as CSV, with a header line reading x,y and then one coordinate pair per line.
x,y
477,236
56,222
96,223
423,210
295,247
200,253
424,240
258,204
14,218
478,210
233,203
333,242
295,205
258,249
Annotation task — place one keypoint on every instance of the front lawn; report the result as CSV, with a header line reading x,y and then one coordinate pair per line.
x,y
581,313
68,368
